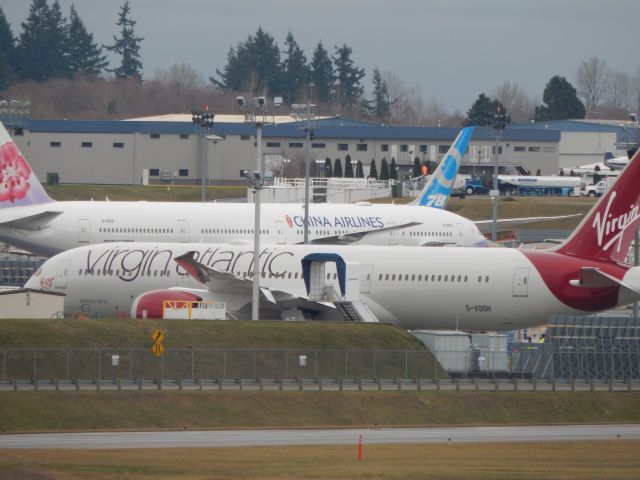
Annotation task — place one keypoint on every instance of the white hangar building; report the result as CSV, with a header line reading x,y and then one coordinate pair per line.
x,y
174,148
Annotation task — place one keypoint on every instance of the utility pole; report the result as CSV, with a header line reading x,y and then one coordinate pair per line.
x,y
499,124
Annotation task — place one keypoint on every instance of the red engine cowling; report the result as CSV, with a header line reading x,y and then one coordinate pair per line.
x,y
153,301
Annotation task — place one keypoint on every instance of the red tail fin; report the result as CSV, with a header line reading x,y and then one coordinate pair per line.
x,y
607,231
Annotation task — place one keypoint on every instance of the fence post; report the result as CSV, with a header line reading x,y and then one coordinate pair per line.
x,y
515,383
418,383
629,384
534,383
592,385
496,381
457,384
610,383
476,383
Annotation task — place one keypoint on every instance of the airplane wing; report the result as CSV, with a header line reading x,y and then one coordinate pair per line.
x,y
224,283
485,225
591,277
355,236
36,221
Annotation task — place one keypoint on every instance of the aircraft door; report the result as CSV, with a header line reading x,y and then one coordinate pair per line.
x,y
84,230
281,233
61,274
521,282
183,231
393,234
366,271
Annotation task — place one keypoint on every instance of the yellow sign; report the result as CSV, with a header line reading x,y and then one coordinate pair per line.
x,y
157,348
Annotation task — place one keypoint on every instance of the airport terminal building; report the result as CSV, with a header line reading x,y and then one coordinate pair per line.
x,y
173,149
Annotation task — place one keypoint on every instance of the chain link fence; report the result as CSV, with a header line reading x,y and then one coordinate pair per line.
x,y
191,364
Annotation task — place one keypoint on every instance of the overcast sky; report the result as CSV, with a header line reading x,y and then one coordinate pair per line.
x,y
453,49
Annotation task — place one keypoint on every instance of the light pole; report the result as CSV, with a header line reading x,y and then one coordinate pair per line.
x,y
258,117
204,122
305,112
499,123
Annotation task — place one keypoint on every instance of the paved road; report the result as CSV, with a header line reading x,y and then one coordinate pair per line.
x,y
247,438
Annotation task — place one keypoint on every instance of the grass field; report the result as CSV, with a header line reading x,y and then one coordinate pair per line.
x,y
193,410
152,193
101,332
618,460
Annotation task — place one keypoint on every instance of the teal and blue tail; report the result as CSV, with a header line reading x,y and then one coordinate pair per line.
x,y
438,188
19,185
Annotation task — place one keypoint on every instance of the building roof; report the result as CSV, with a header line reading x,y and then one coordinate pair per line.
x,y
334,128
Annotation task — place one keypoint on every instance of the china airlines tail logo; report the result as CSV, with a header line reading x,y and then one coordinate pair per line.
x,y
14,173
607,224
289,221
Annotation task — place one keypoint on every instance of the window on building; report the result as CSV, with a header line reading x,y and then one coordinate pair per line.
x,y
424,148
295,144
273,144
442,149
493,149
404,147
343,147
118,145
18,131
55,144
86,144
361,147
245,137
384,147
534,149
154,135
519,148
183,172
548,149
184,136
154,172
318,145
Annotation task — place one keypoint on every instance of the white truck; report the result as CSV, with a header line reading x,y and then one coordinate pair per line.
x,y
599,188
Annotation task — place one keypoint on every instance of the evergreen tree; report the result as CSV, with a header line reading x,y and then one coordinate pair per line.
x,y
348,167
321,74
359,170
7,53
373,171
327,167
296,70
381,104
84,54
348,90
337,168
482,111
384,170
561,101
42,43
393,171
253,66
127,46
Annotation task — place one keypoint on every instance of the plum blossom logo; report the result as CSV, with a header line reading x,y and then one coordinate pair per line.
x,y
14,173
46,283
289,221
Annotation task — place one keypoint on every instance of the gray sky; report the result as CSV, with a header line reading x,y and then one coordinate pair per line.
x,y
453,49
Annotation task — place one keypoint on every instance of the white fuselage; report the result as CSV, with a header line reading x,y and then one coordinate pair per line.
x,y
83,223
441,288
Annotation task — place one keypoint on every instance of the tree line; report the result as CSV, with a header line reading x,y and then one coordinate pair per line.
x,y
56,53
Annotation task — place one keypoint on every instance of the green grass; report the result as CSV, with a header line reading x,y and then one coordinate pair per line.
x,y
192,410
203,334
152,193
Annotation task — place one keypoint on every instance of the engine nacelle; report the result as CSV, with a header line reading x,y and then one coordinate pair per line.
x,y
153,301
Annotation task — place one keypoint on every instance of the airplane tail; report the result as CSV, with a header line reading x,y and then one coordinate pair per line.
x,y
19,185
607,231
437,190
609,155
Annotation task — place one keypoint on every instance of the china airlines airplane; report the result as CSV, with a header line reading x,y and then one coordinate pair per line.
x,y
29,219
437,288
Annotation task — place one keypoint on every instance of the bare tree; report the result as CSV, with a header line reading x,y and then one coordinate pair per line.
x,y
520,106
592,82
181,76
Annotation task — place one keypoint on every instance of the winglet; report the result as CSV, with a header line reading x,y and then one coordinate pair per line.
x,y
19,185
437,190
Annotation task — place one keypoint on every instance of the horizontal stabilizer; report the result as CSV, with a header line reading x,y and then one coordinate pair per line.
x,y
507,222
591,277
